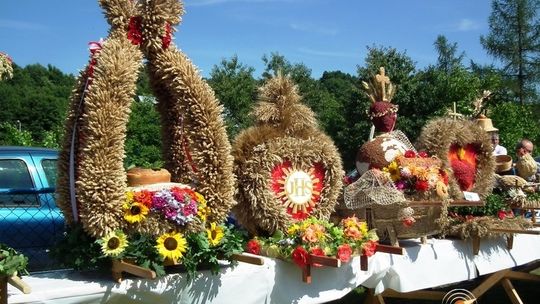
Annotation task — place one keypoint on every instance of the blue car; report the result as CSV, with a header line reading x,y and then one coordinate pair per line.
x,y
30,221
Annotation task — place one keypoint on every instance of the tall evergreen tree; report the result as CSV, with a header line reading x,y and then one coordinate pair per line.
x,y
448,58
514,39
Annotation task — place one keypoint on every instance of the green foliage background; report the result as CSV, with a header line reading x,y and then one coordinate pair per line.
x,y
34,102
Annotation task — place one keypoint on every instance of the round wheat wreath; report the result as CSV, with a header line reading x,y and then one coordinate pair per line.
x,y
439,134
195,144
286,132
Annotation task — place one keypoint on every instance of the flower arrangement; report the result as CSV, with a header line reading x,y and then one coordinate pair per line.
x,y
317,237
181,206
6,68
418,175
178,205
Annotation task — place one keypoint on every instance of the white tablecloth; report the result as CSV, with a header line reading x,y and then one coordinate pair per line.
x,y
439,262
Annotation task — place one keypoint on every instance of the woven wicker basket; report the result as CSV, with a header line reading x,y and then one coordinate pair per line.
x,y
385,219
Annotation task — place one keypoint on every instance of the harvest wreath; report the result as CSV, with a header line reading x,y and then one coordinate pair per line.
x,y
146,225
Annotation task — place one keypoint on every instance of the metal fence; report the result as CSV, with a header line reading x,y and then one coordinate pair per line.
x,y
31,223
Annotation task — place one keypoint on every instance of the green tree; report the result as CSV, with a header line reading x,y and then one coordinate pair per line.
x,y
236,89
349,129
448,58
514,39
143,138
35,100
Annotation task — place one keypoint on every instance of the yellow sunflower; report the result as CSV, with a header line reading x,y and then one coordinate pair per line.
x,y
215,234
135,212
114,243
393,170
171,245
293,229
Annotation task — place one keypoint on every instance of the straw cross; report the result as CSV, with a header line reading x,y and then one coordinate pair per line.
x,y
383,80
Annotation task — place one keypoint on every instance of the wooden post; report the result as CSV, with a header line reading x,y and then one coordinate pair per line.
x,y
119,266
248,259
363,262
16,282
511,291
510,241
3,290
475,244
306,274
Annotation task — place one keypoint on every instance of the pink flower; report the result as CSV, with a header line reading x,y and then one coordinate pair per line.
x,y
369,248
344,253
353,233
423,154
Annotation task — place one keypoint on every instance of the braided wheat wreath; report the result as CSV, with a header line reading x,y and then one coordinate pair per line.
x,y
195,144
284,150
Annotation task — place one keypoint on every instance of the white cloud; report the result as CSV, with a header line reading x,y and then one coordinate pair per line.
x,y
20,25
466,25
328,53
310,28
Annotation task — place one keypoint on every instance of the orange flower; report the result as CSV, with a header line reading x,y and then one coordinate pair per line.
x,y
310,235
144,197
353,233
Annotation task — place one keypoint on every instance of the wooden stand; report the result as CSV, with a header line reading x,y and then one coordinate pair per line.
x,y
334,262
120,266
317,259
14,281
509,237
502,276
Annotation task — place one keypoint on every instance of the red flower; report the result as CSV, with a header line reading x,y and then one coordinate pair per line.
x,y
444,176
344,253
423,154
166,39
134,30
300,256
410,154
408,222
253,246
421,185
369,248
317,251
501,214
143,197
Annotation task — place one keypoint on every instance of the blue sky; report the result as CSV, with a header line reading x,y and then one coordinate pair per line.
x,y
325,35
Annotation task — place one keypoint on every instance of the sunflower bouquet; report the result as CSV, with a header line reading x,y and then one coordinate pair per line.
x,y
317,237
187,237
418,176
